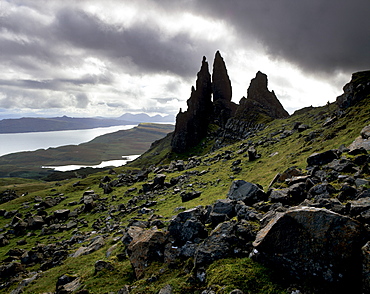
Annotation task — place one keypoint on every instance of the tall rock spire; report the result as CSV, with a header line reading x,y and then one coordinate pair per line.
x,y
191,125
221,83
222,92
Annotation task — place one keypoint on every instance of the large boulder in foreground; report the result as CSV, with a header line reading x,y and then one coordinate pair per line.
x,y
146,248
314,245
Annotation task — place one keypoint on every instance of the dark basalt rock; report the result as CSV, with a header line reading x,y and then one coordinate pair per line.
x,y
146,248
314,244
236,121
191,125
247,192
226,240
222,92
260,100
322,158
356,90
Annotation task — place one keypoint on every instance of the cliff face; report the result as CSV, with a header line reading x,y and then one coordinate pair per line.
x,y
192,125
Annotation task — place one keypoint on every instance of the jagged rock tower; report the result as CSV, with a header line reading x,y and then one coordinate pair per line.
x,y
260,106
260,100
191,125
223,108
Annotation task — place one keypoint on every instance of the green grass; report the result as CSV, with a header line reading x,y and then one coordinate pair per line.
x,y
225,275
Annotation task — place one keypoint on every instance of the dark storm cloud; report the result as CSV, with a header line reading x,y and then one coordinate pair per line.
x,y
143,45
70,34
317,35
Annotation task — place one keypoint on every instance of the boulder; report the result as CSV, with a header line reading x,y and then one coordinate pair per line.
x,y
35,222
166,290
226,240
188,225
187,231
322,158
10,270
159,180
189,195
103,265
67,284
107,188
247,192
342,165
366,267
361,142
62,214
279,195
322,191
246,212
3,241
146,248
94,245
224,206
252,154
313,244
365,132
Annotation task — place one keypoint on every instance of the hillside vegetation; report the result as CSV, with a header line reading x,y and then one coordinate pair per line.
x,y
127,204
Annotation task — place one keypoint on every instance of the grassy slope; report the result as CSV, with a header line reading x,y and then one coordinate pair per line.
x,y
105,147
214,185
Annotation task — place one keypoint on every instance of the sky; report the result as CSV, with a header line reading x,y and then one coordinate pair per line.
x,y
109,57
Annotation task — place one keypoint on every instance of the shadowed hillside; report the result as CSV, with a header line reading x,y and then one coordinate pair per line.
x,y
279,205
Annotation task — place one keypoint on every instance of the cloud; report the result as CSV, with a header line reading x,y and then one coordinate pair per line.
x,y
319,36
96,56
82,101
35,100
147,47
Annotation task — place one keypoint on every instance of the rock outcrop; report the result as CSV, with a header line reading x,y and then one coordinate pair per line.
x,y
191,125
356,90
235,121
260,101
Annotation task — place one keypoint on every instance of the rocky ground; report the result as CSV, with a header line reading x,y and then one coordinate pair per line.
x,y
277,207
311,225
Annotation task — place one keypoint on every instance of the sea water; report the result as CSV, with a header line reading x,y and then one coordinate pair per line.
x,y
17,142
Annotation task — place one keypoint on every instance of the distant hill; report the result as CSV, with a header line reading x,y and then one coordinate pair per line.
x,y
38,124
143,117
106,147
42,124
